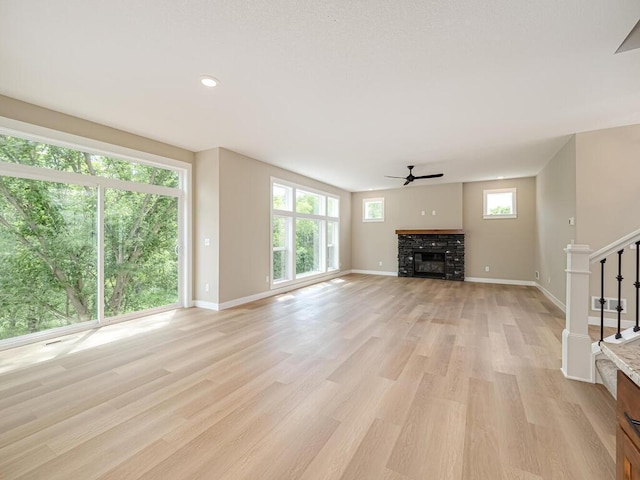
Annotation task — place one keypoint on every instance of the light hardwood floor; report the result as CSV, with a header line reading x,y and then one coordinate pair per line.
x,y
362,377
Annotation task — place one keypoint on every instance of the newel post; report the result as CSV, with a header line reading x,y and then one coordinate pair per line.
x,y
577,358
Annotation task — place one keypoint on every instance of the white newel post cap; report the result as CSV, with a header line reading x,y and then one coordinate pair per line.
x,y
578,258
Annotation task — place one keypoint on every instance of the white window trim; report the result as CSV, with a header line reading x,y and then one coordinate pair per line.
x,y
303,277
365,201
513,214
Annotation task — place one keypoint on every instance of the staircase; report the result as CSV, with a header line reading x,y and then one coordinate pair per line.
x,y
606,370
583,359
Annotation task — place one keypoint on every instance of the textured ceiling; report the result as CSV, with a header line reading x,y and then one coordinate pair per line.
x,y
342,91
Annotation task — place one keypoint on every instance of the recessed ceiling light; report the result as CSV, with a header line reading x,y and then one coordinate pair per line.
x,y
209,81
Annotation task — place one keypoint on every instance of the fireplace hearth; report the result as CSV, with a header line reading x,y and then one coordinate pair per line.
x,y
431,254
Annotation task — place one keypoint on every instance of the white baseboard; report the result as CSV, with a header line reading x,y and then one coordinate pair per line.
x,y
500,281
376,272
207,305
550,296
571,377
269,293
611,322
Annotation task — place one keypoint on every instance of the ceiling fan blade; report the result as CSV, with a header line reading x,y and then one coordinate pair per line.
x,y
389,176
407,182
632,41
435,175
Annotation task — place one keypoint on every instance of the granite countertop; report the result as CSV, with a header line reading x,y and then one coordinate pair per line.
x,y
626,358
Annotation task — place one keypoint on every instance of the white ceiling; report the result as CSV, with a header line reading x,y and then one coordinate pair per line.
x,y
342,91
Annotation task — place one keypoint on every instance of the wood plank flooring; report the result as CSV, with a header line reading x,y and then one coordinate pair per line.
x,y
361,377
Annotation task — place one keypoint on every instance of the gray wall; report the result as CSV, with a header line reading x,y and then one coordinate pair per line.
x,y
375,242
240,229
506,245
206,225
556,202
607,194
607,184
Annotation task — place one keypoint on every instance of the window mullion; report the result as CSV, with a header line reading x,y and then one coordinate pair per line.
x,y
100,259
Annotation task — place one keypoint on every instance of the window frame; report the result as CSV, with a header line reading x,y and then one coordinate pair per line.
x,y
367,201
183,192
294,215
514,203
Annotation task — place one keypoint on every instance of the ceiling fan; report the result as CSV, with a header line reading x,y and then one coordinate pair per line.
x,y
632,41
411,177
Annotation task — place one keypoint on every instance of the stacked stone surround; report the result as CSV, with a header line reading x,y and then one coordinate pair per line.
x,y
449,241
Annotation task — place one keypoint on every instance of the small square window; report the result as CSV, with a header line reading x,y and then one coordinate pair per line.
x,y
373,210
500,203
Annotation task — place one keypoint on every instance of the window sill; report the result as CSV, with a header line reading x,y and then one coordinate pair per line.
x,y
304,279
494,217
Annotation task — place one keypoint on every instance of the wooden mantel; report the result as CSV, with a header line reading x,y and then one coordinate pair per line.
x,y
429,232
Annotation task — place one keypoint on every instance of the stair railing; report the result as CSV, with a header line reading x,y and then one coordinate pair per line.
x,y
577,353
602,299
637,285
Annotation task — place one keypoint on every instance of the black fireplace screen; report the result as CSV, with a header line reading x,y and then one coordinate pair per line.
x,y
429,264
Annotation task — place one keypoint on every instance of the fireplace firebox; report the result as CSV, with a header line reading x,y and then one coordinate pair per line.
x,y
429,264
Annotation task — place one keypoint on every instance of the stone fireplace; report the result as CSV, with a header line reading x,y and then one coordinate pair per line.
x,y
431,254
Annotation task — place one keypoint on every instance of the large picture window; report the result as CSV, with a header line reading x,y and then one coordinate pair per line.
x,y
83,237
305,232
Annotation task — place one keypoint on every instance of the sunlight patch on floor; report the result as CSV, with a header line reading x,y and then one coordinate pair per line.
x,y
41,351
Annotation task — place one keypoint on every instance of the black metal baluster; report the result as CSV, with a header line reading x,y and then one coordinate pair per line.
x,y
637,284
619,278
602,262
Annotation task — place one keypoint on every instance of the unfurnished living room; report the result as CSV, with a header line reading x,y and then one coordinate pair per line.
x,y
319,240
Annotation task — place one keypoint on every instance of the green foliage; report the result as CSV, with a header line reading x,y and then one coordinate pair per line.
x,y
374,210
279,240
307,233
280,197
307,246
48,241
140,258
307,203
500,210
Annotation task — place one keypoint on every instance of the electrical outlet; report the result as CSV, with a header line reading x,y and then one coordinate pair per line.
x,y
207,242
206,287
433,212
537,275
380,263
423,213
486,268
